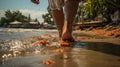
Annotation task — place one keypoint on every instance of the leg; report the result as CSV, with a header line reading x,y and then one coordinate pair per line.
x,y
58,17
70,11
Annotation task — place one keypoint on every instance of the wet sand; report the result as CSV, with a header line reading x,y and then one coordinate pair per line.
x,y
89,51
80,55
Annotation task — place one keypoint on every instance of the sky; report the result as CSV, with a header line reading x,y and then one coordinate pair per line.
x,y
25,6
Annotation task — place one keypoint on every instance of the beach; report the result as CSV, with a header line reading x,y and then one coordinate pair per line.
x,y
35,47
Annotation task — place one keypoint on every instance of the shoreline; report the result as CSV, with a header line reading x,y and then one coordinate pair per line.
x,y
87,36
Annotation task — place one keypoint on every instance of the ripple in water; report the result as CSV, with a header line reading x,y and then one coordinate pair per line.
x,y
15,48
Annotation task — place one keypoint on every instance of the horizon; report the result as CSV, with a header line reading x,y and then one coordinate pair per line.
x,y
26,7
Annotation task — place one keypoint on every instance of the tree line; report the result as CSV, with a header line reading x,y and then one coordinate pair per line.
x,y
11,16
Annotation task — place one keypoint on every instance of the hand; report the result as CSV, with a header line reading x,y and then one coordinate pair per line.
x,y
35,1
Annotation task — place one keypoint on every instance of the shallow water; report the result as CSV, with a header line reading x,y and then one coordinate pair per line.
x,y
82,54
6,33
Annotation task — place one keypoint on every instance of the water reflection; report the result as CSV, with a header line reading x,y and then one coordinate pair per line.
x,y
89,54
64,59
108,48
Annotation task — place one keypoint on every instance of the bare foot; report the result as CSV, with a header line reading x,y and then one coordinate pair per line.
x,y
66,43
67,33
67,36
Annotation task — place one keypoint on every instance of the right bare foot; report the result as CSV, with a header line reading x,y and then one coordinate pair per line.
x,y
67,38
67,33
66,43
